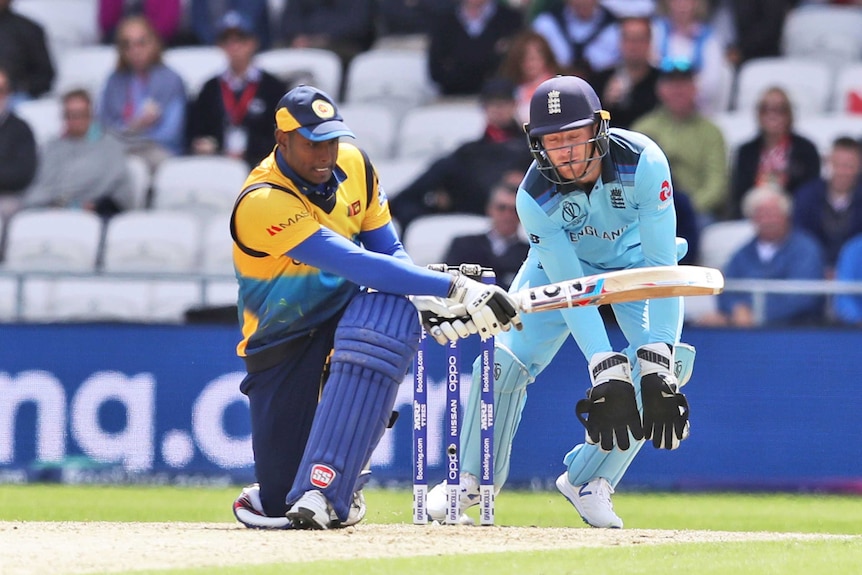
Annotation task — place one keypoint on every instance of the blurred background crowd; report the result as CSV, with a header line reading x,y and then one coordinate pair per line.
x,y
137,121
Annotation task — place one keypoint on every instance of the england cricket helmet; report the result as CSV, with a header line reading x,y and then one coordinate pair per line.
x,y
561,104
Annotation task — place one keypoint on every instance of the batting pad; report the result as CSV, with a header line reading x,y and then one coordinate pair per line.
x,y
510,396
374,346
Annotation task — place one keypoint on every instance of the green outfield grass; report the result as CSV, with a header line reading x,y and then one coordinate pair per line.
x,y
719,512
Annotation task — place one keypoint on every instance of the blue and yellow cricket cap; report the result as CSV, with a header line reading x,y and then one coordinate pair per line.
x,y
312,113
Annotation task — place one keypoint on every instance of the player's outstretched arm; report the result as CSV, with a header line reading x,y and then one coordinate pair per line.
x,y
665,410
610,410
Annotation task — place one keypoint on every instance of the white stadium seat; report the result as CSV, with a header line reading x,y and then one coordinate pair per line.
x,y
53,239
86,67
221,292
720,240
8,299
398,78
313,66
67,23
737,128
823,129
832,34
375,126
848,80
434,130
44,116
427,238
204,184
152,241
397,173
142,178
808,83
195,64
217,246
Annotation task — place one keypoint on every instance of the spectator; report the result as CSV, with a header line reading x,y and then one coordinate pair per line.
x,y
628,90
346,27
83,168
233,113
164,16
583,34
847,308
682,32
144,101
778,251
461,181
467,45
206,16
529,62
687,225
693,144
758,27
500,248
830,208
776,154
17,150
409,17
23,55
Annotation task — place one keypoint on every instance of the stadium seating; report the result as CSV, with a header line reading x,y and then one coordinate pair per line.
x,y
86,67
204,184
217,246
397,173
155,242
737,128
53,239
375,127
824,128
808,82
847,91
830,34
720,240
67,23
195,64
44,116
314,66
434,130
141,178
398,78
428,237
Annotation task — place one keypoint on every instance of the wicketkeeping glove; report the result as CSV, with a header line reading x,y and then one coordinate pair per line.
x,y
610,410
490,308
665,410
443,319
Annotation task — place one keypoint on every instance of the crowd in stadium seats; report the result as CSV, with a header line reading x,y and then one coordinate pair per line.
x,y
103,101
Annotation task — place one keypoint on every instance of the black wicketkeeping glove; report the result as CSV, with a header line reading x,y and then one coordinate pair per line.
x,y
610,411
665,410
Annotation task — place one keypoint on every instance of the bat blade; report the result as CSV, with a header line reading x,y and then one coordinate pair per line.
x,y
622,286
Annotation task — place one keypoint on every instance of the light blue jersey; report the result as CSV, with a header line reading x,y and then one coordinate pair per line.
x,y
626,220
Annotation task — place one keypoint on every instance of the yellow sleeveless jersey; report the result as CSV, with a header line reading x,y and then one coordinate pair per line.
x,y
281,298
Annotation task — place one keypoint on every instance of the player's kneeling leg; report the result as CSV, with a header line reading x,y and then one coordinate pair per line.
x,y
375,343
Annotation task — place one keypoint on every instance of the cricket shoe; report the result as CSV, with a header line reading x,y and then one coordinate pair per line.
x,y
248,510
592,500
469,496
311,511
355,514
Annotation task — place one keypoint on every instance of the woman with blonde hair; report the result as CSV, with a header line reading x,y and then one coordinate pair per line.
x,y
529,62
144,101
776,155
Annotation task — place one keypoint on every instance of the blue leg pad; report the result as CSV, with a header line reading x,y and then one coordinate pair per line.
x,y
510,396
374,346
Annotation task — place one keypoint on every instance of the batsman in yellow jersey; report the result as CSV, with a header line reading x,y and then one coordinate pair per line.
x,y
328,333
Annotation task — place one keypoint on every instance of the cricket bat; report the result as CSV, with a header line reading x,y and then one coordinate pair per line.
x,y
622,286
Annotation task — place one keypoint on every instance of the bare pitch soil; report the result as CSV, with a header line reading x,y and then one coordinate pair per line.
x,y
74,547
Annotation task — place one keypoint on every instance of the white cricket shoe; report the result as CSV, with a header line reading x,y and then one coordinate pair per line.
x,y
469,496
355,514
592,501
311,511
248,510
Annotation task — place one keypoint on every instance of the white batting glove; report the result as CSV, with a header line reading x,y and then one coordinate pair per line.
x,y
445,320
491,309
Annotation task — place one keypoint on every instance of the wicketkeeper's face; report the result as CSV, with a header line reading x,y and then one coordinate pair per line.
x,y
570,151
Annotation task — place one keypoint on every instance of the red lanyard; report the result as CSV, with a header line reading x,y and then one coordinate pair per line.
x,y
236,110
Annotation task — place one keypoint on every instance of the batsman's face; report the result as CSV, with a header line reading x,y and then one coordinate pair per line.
x,y
569,151
312,161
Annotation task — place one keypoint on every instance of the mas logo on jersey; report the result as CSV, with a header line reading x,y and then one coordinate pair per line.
x,y
275,228
323,109
666,191
354,208
322,475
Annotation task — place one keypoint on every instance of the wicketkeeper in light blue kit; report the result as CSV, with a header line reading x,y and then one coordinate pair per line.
x,y
595,199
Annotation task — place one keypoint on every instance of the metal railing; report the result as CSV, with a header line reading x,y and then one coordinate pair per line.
x,y
759,289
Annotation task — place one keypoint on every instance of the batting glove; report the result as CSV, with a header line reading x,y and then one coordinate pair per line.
x,y
491,309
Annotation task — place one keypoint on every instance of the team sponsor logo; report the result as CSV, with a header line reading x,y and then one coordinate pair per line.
x,y
534,239
666,191
572,213
617,200
322,475
554,102
354,208
323,109
275,228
